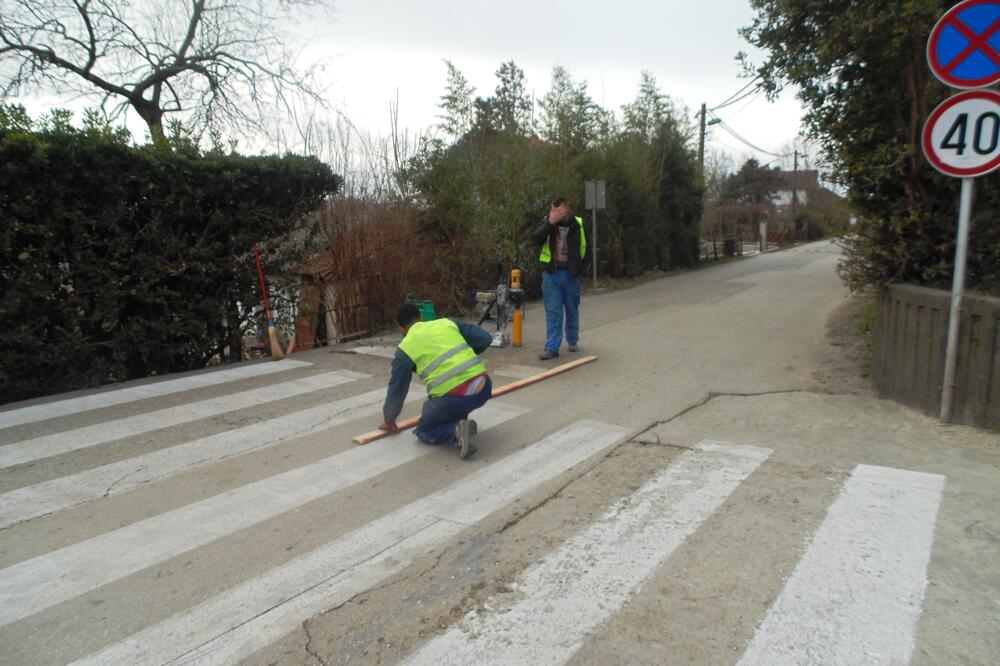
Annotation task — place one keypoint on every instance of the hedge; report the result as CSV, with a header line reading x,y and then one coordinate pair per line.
x,y
119,262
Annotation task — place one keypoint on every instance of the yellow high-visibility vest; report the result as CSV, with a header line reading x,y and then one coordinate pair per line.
x,y
442,356
546,255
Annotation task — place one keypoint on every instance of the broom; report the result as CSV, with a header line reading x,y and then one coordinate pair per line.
x,y
272,335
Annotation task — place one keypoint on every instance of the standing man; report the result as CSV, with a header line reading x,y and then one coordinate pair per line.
x,y
563,258
444,353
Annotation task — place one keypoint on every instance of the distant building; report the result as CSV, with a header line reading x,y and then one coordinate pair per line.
x,y
818,211
808,194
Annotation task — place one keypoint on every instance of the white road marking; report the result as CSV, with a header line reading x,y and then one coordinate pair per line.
x,y
33,585
516,371
34,413
109,431
587,579
239,622
384,352
68,491
856,595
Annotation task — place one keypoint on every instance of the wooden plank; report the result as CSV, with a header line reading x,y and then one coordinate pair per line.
x,y
507,388
379,434
558,370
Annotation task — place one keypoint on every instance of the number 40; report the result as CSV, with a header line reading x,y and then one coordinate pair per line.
x,y
955,138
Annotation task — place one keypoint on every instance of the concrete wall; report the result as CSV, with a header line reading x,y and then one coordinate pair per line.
x,y
908,356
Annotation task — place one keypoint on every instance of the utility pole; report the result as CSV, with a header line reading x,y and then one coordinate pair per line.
x,y
795,185
704,124
701,153
701,139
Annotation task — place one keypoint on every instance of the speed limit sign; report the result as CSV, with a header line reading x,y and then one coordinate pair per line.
x,y
962,136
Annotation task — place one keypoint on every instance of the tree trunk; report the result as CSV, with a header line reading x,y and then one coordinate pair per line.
x,y
153,116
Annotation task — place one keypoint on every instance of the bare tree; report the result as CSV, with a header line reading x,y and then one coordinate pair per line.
x,y
211,62
373,165
719,165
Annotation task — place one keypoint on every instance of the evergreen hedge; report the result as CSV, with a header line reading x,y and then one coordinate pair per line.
x,y
119,262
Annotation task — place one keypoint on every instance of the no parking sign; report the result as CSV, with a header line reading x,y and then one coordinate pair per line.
x,y
964,48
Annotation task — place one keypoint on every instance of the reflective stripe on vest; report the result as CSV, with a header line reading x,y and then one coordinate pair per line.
x,y
546,255
443,358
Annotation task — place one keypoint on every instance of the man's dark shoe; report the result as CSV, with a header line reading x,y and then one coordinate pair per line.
x,y
464,433
573,347
547,354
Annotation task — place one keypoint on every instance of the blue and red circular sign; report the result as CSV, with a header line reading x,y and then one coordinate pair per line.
x,y
964,48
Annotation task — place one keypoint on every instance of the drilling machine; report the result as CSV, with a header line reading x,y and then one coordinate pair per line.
x,y
503,304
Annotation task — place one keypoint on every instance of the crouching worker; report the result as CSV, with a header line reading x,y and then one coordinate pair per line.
x,y
444,353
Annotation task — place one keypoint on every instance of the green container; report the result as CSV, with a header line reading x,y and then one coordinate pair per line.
x,y
426,310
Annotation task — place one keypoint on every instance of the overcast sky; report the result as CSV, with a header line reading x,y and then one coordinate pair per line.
x,y
376,48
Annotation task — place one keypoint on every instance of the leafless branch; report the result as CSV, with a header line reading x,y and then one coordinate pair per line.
x,y
221,60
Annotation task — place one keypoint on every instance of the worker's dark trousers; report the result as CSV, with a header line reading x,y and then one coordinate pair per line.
x,y
561,293
440,416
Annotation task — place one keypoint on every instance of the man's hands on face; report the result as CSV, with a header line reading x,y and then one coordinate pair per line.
x,y
558,213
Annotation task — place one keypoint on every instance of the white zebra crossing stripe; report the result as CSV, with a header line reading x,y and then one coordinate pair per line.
x,y
239,622
36,584
855,596
49,410
516,371
68,491
384,352
102,433
587,579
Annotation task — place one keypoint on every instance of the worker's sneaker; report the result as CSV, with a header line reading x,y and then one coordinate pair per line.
x,y
573,347
547,354
464,433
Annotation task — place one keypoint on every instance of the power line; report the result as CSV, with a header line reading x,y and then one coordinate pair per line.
x,y
742,108
742,151
746,142
737,100
736,151
739,138
730,99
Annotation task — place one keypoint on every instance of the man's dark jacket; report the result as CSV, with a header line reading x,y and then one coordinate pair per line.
x,y
575,264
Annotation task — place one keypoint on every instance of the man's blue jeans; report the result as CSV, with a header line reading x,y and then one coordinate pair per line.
x,y
440,416
561,292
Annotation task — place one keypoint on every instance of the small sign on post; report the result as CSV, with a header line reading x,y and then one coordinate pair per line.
x,y
594,194
594,198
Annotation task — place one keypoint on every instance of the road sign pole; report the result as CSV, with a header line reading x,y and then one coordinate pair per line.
x,y
593,257
594,198
957,287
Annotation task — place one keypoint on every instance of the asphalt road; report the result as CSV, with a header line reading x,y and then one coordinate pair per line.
x,y
702,494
